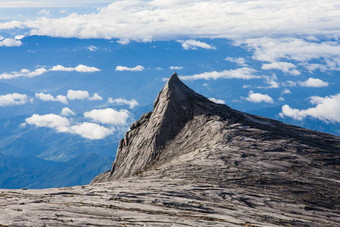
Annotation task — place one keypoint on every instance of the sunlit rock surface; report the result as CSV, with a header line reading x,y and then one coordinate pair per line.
x,y
193,162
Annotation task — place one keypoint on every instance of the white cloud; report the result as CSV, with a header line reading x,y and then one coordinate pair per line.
x,y
95,97
44,12
10,43
273,50
240,73
283,66
42,70
312,82
131,103
194,44
286,91
18,37
77,94
158,19
239,61
62,124
258,97
23,73
48,97
92,48
326,109
79,68
272,81
218,101
176,67
90,131
108,116
48,3
138,68
123,41
67,112
13,99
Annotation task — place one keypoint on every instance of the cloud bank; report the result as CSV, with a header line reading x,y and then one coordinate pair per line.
x,y
159,20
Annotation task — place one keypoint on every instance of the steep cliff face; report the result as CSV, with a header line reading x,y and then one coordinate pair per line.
x,y
189,137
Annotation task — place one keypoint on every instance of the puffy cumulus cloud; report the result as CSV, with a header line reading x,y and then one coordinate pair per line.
x,y
48,97
13,99
59,123
240,73
62,125
9,42
79,68
67,112
239,61
283,66
138,68
258,97
194,44
42,70
313,82
77,94
218,101
158,19
326,109
90,131
119,101
108,116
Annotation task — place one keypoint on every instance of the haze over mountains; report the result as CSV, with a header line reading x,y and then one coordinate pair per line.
x,y
194,162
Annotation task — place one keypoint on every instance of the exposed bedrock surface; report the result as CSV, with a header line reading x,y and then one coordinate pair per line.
x,y
194,162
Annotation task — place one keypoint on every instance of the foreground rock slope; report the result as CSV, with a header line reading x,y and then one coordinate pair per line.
x,y
193,162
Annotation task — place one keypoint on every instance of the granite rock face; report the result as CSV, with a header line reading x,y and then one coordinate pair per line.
x,y
192,162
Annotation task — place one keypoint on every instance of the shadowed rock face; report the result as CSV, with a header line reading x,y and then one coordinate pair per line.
x,y
191,162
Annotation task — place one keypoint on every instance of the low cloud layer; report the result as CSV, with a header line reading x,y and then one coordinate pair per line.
x,y
326,109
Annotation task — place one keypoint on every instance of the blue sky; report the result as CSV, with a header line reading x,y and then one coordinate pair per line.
x,y
90,68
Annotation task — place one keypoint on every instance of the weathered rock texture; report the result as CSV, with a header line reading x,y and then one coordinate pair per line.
x,y
194,162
